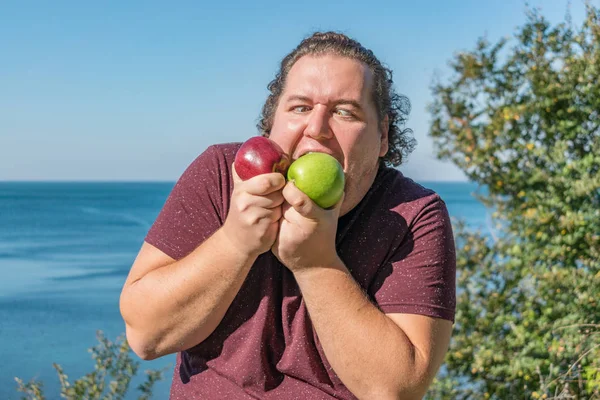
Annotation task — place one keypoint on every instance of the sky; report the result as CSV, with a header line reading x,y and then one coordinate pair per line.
x,y
135,90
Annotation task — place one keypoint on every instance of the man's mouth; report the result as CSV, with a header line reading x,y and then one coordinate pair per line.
x,y
303,152
326,151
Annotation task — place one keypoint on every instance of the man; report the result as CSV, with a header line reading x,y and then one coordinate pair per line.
x,y
265,295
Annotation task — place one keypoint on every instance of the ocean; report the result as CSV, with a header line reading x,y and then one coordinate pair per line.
x,y
65,251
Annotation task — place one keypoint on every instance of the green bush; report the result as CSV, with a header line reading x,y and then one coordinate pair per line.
x,y
110,379
523,122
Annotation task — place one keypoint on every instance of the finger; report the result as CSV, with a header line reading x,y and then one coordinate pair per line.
x,y
298,200
336,209
269,201
264,184
258,215
273,200
286,211
246,201
236,177
276,214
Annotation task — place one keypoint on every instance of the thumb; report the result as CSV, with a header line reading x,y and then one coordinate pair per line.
x,y
299,200
337,208
236,177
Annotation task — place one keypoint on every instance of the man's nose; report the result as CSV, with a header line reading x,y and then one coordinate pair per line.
x,y
317,126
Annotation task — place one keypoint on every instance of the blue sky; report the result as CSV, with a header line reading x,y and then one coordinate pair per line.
x,y
136,90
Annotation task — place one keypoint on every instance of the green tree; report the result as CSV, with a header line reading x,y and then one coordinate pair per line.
x,y
114,368
521,118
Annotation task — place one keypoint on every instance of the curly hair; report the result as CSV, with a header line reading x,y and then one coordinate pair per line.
x,y
387,102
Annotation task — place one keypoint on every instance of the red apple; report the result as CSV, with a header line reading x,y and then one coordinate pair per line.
x,y
260,155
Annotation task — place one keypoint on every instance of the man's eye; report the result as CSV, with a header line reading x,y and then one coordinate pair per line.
x,y
300,109
343,113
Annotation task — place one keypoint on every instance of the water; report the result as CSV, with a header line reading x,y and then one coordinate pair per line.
x,y
65,250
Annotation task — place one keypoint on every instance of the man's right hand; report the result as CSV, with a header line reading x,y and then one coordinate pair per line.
x,y
160,293
254,212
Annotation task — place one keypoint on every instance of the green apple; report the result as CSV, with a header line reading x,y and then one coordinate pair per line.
x,y
320,177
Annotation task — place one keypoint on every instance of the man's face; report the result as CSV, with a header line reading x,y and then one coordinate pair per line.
x,y
327,106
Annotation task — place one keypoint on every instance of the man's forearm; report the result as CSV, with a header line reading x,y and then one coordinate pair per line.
x,y
367,350
177,306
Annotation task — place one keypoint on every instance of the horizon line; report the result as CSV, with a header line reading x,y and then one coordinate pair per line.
x,y
93,180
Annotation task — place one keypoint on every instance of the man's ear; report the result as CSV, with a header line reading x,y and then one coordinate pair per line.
x,y
384,129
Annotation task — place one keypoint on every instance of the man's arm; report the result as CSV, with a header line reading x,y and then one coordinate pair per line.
x,y
170,306
377,356
160,295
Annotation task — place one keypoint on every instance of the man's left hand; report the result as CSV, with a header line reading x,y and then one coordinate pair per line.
x,y
307,232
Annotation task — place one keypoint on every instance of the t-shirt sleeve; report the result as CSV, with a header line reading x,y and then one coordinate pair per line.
x,y
420,276
194,209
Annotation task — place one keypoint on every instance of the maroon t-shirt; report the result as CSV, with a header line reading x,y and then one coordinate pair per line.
x,y
397,243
